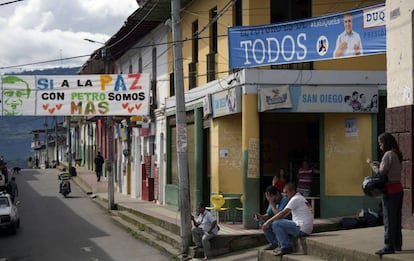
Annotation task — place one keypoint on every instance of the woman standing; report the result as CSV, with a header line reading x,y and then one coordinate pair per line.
x,y
392,201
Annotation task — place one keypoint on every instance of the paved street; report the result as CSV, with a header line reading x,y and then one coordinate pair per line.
x,y
73,228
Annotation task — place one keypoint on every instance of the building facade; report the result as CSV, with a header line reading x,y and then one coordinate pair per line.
x,y
235,143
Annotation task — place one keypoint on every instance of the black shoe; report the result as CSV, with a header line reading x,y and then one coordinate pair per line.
x,y
283,251
270,247
384,252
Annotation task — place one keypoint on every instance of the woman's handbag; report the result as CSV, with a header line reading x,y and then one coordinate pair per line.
x,y
375,185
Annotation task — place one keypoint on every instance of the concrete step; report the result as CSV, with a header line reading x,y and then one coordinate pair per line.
x,y
174,228
152,240
144,225
316,251
334,253
268,255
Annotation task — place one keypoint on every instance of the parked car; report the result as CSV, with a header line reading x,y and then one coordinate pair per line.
x,y
9,214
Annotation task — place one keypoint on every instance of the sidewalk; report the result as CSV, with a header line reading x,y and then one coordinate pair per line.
x,y
362,243
86,179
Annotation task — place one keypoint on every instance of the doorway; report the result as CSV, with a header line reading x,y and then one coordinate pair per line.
x,y
286,140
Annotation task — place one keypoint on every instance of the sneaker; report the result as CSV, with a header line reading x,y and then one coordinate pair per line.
x,y
197,247
270,247
283,251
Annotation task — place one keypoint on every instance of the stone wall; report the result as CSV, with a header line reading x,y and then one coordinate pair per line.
x,y
399,122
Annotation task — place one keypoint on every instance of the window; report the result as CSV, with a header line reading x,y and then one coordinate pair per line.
x,y
172,88
213,30
283,11
211,67
194,36
238,13
140,64
192,75
154,64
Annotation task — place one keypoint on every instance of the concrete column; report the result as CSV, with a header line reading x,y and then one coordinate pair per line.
x,y
399,113
251,160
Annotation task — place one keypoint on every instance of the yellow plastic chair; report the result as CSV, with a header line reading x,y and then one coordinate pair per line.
x,y
241,208
218,201
242,203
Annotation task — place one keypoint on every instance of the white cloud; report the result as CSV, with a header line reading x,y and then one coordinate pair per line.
x,y
42,30
109,7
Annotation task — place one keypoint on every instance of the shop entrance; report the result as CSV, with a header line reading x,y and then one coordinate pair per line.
x,y
286,140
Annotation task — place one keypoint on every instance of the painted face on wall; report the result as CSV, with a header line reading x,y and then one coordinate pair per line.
x,y
14,94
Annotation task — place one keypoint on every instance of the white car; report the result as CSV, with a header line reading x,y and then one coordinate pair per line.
x,y
9,214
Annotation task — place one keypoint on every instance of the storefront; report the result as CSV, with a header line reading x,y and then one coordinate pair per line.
x,y
333,127
240,135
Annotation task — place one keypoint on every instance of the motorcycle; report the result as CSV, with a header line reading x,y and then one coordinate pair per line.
x,y
64,189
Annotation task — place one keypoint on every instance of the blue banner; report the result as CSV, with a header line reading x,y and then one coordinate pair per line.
x,y
358,32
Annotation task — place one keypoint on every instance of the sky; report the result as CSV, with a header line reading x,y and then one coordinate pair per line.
x,y
34,31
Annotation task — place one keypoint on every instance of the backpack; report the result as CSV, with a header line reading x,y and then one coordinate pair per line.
x,y
352,222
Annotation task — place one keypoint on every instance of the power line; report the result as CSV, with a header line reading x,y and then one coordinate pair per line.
x,y
11,2
43,62
88,55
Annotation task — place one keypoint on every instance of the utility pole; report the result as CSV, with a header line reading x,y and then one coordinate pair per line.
x,y
181,129
46,144
69,135
56,141
110,133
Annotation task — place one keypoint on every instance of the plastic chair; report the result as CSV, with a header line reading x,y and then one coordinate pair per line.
x,y
242,203
218,201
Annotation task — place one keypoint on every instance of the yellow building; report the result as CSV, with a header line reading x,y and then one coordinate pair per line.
x,y
236,145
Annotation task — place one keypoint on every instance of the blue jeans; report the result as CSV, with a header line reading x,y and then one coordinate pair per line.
x,y
283,228
269,234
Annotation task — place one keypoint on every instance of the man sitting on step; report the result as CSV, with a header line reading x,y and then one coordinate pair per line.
x,y
205,228
300,225
277,202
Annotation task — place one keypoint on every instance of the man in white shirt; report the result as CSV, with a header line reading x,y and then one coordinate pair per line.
x,y
300,225
205,228
348,42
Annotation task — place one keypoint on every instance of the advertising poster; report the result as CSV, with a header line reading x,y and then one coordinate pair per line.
x,y
348,34
358,99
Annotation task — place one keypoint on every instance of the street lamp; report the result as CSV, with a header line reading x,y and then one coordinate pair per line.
x,y
93,41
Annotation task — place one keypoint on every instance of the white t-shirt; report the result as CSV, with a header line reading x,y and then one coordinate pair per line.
x,y
301,213
205,220
351,39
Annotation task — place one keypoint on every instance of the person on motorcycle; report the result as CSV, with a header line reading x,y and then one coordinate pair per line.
x,y
64,177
